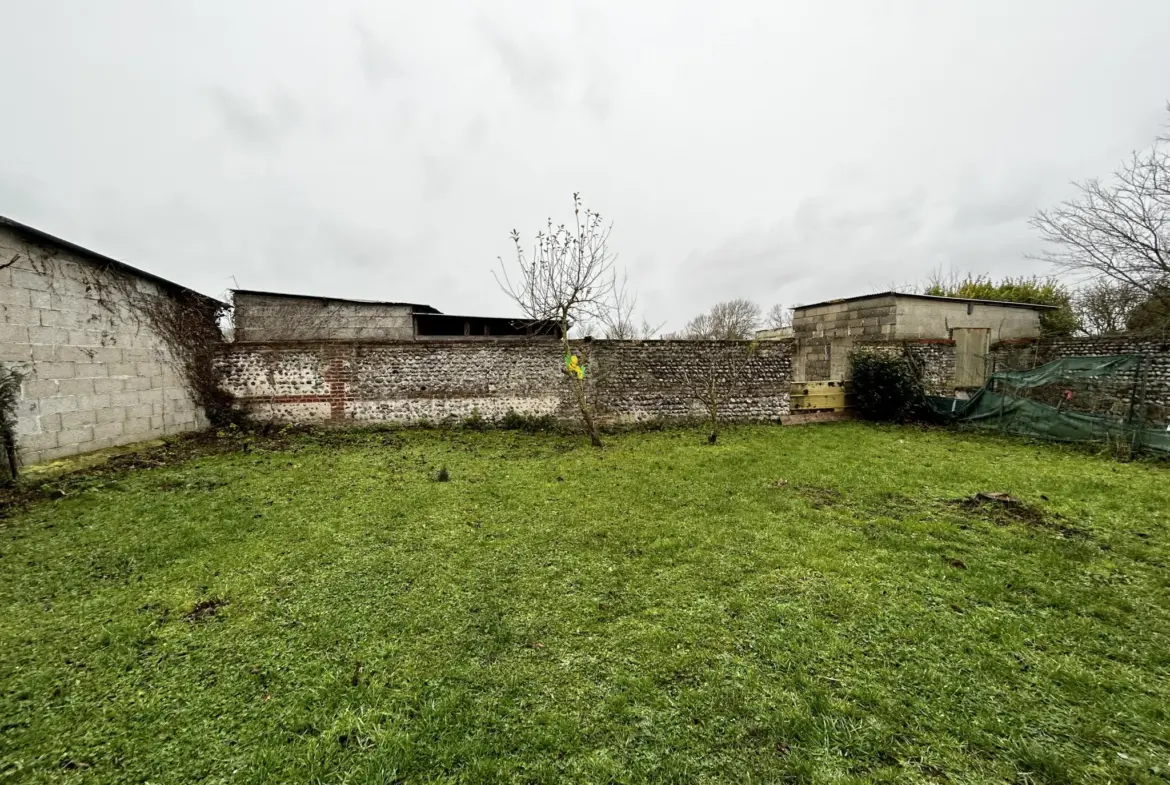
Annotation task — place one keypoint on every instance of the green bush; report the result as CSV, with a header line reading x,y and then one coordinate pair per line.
x,y
886,387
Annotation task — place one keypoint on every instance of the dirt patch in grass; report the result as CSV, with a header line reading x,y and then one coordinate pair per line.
x,y
205,609
819,498
1004,509
887,504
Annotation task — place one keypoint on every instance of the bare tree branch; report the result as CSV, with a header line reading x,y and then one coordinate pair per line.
x,y
569,278
1118,230
622,323
1104,306
778,317
714,375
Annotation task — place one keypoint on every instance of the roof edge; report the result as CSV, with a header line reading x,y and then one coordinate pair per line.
x,y
520,319
94,256
1008,303
416,307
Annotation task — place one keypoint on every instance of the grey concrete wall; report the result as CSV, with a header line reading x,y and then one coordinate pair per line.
x,y
919,318
437,381
96,376
266,318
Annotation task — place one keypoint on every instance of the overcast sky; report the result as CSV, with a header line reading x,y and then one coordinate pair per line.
x,y
781,151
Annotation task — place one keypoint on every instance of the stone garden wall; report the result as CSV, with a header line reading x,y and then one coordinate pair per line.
x,y
437,381
1152,380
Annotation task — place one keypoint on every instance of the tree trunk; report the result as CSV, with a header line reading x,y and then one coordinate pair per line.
x,y
10,455
714,421
579,390
590,426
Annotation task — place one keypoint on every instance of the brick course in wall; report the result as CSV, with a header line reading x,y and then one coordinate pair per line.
x,y
450,380
95,375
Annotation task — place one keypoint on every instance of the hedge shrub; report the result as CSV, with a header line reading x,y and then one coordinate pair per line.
x,y
886,387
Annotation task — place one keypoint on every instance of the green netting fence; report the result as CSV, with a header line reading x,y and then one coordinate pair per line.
x,y
1099,400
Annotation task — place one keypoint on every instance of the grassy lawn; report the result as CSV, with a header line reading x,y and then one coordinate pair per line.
x,y
794,604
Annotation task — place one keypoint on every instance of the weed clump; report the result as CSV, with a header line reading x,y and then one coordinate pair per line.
x,y
476,422
515,421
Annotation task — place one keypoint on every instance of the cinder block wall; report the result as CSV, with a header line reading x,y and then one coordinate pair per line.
x,y
261,317
433,381
826,333
96,376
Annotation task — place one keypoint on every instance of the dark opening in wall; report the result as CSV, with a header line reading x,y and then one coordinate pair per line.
x,y
453,326
439,325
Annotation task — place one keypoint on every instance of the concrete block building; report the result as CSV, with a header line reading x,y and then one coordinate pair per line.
x,y
825,333
261,317
97,370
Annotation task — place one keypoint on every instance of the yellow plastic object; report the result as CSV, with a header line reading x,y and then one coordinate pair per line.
x,y
573,366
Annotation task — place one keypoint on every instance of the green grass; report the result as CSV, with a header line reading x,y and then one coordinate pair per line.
x,y
794,604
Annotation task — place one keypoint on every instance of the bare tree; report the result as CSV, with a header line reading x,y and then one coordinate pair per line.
x,y
621,321
731,320
715,374
778,317
1117,230
1105,306
569,277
